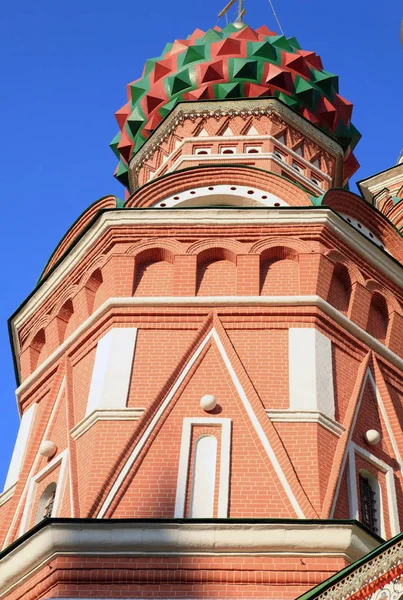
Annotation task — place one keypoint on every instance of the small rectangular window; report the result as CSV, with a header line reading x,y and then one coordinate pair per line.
x,y
278,154
200,151
368,504
297,167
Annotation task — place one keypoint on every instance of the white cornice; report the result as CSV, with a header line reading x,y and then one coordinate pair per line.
x,y
140,538
179,217
214,301
299,416
123,414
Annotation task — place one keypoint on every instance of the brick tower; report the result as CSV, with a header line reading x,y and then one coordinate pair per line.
x,y
210,373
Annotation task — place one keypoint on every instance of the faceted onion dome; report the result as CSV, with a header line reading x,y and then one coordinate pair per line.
x,y
233,63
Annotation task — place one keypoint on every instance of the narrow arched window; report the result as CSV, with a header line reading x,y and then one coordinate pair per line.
x,y
46,503
204,471
369,501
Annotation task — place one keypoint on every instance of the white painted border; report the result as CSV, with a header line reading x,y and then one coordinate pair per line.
x,y
215,301
183,470
61,460
390,488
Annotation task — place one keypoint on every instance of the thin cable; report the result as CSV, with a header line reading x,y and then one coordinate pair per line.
x,y
275,16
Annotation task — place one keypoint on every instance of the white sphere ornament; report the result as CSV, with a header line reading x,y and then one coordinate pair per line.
x,y
372,437
208,402
48,449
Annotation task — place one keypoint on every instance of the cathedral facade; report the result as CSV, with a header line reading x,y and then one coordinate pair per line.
x,y
210,371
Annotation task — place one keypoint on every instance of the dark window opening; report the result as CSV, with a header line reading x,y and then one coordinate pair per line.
x,y
368,504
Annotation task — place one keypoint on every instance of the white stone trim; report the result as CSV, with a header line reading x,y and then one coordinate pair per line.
x,y
139,446
386,420
390,488
183,470
45,436
179,217
112,370
7,494
105,414
61,460
305,416
20,447
258,428
215,301
180,539
310,371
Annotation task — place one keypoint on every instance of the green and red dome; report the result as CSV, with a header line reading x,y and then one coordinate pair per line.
x,y
233,63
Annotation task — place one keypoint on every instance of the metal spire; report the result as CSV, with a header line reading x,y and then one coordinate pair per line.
x,y
240,13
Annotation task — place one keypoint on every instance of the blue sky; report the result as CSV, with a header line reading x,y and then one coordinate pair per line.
x,y
64,69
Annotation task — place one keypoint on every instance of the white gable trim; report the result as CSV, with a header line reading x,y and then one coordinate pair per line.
x,y
140,445
259,429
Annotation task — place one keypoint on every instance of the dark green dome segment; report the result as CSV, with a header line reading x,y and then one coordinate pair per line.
x,y
233,63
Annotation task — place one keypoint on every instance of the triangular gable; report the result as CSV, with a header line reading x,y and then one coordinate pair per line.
x,y
150,429
370,413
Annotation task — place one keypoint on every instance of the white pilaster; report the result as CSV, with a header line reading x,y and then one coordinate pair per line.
x,y
112,370
311,371
20,447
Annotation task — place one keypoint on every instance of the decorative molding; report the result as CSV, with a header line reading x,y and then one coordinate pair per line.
x,y
232,108
214,301
203,217
141,538
183,470
299,416
105,414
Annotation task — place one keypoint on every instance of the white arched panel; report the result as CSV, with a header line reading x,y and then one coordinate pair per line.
x,y
204,471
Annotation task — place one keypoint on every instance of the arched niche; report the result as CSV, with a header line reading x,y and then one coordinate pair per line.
x,y
216,273
279,272
340,288
378,317
46,502
154,273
